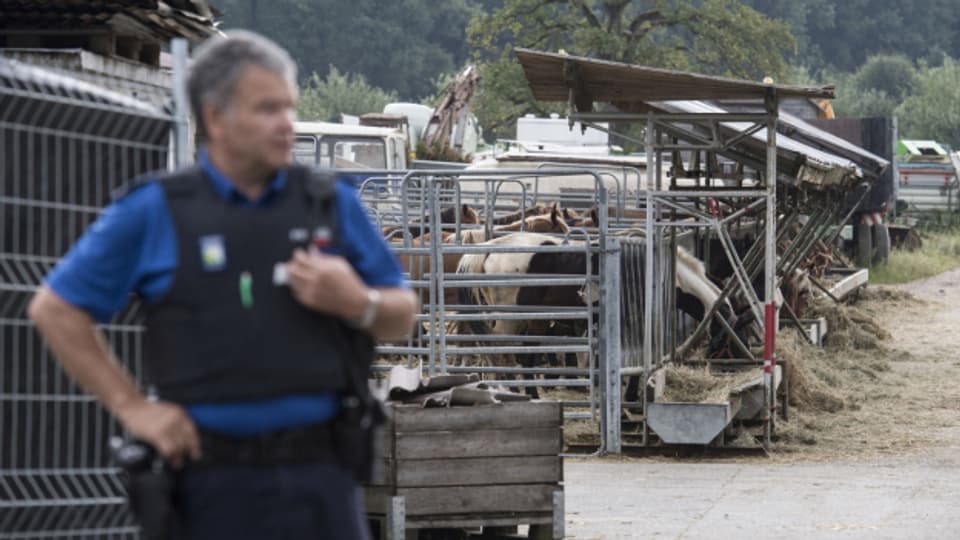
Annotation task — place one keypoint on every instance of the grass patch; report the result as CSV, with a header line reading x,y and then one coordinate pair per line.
x,y
940,252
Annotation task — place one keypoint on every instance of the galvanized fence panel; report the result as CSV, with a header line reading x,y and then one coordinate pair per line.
x,y
411,202
64,147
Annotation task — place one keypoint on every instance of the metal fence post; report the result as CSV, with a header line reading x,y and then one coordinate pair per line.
x,y
181,108
612,354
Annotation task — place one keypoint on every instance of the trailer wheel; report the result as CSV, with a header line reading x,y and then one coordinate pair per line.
x,y
881,243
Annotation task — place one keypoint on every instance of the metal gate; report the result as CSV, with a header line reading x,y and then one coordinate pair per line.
x,y
64,146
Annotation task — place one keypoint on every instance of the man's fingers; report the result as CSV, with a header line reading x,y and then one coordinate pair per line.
x,y
193,442
166,447
297,275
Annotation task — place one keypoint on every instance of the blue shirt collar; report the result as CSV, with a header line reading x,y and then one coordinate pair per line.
x,y
226,189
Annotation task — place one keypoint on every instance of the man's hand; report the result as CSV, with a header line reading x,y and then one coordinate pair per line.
x,y
328,284
164,426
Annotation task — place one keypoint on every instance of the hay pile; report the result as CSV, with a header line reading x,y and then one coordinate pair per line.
x,y
848,327
699,385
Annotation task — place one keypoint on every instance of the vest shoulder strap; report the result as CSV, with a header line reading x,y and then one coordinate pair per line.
x,y
178,182
319,187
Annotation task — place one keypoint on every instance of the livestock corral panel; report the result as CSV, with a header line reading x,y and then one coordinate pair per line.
x,y
490,465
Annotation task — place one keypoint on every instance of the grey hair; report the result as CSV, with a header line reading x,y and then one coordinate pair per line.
x,y
220,61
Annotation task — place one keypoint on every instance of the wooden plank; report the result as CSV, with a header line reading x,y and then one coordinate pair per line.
x,y
501,416
479,443
376,499
479,471
478,520
478,499
383,472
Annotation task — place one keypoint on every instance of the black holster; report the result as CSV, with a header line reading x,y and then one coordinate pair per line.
x,y
356,434
150,485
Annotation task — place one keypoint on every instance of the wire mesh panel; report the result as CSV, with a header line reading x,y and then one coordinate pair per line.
x,y
64,147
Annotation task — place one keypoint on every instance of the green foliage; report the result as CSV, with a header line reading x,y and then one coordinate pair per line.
x,y
854,102
940,252
844,34
925,100
397,44
325,99
877,88
894,75
722,37
933,112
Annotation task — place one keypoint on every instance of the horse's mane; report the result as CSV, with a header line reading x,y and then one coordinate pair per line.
x,y
687,258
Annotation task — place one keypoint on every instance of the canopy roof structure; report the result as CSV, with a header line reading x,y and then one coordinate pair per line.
x,y
552,76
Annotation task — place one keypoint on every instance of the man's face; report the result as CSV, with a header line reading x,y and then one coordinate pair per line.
x,y
257,124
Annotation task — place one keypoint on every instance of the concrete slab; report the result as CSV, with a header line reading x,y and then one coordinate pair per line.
x,y
894,498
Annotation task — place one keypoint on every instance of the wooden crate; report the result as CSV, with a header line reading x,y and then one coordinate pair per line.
x,y
483,466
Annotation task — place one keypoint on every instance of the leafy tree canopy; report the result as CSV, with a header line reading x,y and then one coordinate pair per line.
x,y
324,99
400,45
723,37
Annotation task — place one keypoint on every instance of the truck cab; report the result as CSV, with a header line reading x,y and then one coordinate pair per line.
x,y
343,146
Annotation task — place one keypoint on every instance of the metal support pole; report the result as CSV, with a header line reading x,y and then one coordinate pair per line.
x,y
436,270
613,356
770,281
181,109
396,520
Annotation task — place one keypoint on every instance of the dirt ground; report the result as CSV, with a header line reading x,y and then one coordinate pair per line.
x,y
872,449
901,393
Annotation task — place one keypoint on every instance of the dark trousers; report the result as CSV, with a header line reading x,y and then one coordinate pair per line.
x,y
289,502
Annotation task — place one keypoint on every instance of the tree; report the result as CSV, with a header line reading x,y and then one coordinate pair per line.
x,y
877,88
325,99
843,35
722,37
401,45
933,112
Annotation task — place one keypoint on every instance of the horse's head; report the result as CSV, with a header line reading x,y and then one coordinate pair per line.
x,y
468,214
571,217
550,223
588,219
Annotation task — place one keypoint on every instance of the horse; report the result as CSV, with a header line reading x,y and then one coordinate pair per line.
x,y
416,227
537,223
535,210
696,294
548,222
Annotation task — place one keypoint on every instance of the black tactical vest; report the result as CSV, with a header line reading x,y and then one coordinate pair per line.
x,y
225,331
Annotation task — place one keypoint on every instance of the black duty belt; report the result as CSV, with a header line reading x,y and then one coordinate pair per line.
x,y
285,447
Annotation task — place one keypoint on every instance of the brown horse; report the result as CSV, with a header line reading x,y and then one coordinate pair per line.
x,y
468,216
551,222
535,210
417,265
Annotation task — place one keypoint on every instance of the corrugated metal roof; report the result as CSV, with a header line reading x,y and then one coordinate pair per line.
x,y
784,144
802,131
551,76
791,153
192,19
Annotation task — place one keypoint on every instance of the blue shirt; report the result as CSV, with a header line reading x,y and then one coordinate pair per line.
x,y
132,248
